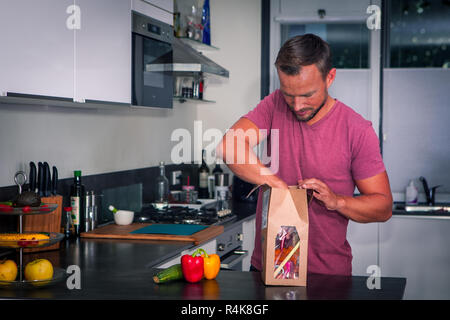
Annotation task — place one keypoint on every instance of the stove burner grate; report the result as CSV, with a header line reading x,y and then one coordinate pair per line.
x,y
182,215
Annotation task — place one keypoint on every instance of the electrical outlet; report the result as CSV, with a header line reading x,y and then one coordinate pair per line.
x,y
176,177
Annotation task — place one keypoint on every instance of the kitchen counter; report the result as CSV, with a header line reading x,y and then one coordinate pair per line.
x,y
123,269
115,269
422,214
399,210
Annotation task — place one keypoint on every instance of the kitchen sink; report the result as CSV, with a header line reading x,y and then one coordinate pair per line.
x,y
421,207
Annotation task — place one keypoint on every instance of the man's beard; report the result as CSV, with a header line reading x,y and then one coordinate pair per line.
x,y
313,114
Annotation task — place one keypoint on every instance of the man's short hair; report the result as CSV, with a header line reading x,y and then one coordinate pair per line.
x,y
302,51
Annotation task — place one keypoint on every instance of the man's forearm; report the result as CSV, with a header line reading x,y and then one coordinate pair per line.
x,y
366,208
243,162
257,174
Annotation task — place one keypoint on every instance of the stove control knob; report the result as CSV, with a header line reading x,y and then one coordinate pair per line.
x,y
240,237
220,247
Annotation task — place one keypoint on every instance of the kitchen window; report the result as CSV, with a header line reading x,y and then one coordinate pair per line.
x,y
419,34
349,42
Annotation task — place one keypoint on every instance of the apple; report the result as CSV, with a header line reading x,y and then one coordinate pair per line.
x,y
8,270
39,269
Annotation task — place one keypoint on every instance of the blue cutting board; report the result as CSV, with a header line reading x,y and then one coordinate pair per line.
x,y
172,229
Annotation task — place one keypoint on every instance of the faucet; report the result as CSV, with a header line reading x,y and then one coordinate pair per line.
x,y
429,193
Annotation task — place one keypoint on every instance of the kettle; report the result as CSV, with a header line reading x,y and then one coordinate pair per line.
x,y
241,189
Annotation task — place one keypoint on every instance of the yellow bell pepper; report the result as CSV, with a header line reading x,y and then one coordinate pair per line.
x,y
211,265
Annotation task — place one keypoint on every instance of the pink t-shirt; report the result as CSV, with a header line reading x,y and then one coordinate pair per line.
x,y
338,149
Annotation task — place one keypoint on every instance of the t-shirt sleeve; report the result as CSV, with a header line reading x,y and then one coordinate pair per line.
x,y
366,156
262,114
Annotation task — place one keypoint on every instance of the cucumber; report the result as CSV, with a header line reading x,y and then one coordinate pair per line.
x,y
171,273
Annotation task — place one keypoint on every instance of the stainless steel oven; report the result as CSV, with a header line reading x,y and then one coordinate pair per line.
x,y
229,248
152,85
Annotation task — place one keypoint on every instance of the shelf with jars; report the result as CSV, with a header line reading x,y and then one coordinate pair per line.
x,y
192,37
190,86
198,45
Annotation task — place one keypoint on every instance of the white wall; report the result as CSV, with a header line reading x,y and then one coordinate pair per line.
x,y
99,141
95,141
416,128
236,31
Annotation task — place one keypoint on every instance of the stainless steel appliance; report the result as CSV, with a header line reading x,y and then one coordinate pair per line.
x,y
229,248
206,215
229,243
151,46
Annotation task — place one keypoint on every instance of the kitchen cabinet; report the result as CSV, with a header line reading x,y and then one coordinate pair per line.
x,y
163,4
248,243
37,56
103,51
363,238
302,10
69,49
416,247
161,10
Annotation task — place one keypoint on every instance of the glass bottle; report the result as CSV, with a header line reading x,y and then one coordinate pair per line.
x,y
206,23
162,188
76,202
203,173
68,222
217,168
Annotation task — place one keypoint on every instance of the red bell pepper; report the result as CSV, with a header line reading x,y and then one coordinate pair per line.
x,y
192,267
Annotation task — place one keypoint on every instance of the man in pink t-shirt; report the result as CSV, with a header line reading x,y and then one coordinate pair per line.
x,y
321,145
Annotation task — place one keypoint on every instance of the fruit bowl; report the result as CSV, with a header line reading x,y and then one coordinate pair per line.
x,y
59,275
18,242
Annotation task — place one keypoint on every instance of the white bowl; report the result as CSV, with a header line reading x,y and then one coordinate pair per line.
x,y
123,217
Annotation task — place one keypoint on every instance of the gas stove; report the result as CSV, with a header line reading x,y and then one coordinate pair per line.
x,y
180,214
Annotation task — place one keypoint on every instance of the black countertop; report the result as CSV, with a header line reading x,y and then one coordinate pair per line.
x,y
123,269
116,269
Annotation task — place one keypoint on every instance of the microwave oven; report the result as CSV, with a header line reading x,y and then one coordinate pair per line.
x,y
152,86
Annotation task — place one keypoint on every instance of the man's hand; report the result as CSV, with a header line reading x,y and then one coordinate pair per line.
x,y
323,193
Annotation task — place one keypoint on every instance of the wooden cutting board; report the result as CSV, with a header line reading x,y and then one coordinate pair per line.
x,y
114,231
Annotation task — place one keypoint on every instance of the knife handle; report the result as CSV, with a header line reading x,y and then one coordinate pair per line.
x,y
32,177
40,179
46,184
54,180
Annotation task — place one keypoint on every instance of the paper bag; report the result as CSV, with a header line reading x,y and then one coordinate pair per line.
x,y
284,236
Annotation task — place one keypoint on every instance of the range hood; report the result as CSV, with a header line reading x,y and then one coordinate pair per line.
x,y
187,59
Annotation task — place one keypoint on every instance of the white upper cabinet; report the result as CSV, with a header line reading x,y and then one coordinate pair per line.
x,y
103,51
307,10
161,10
37,48
75,49
163,4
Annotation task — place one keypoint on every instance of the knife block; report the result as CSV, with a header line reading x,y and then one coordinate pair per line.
x,y
50,222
